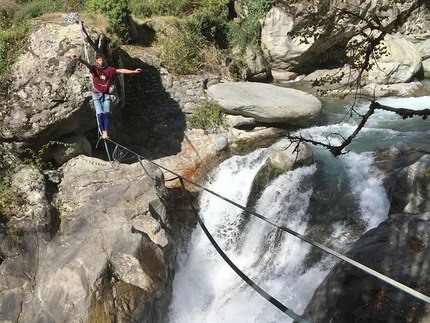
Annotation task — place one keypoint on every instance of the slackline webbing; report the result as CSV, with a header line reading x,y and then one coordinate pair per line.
x,y
334,253
73,18
244,277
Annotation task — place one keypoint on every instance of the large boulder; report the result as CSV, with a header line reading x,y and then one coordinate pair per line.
x,y
287,155
198,151
280,49
257,69
103,254
71,147
399,62
49,93
411,194
410,89
424,49
303,54
398,248
267,103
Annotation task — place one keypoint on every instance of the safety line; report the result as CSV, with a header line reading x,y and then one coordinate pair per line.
x,y
86,37
257,288
299,319
338,255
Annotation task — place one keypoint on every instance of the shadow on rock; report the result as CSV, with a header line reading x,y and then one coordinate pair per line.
x,y
150,123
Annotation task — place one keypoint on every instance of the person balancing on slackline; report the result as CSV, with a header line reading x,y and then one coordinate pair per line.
x,y
103,76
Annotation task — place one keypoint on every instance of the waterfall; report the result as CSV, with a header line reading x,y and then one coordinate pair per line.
x,y
206,289
332,202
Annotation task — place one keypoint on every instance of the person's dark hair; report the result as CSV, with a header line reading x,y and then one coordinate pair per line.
x,y
100,55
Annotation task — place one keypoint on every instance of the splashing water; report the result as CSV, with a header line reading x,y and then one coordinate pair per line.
x,y
207,290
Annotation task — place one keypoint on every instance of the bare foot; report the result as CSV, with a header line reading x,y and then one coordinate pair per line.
x,y
105,135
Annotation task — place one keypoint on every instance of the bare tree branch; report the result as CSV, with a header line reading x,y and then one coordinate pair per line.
x,y
338,150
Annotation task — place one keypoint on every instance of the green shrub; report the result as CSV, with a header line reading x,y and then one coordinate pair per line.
x,y
115,10
176,8
9,198
33,9
258,8
208,116
151,8
6,14
179,48
11,42
247,30
193,43
35,158
212,25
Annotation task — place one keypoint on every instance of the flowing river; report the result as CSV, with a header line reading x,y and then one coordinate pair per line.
x,y
332,202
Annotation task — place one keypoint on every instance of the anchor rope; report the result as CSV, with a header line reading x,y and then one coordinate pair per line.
x,y
244,277
73,18
320,246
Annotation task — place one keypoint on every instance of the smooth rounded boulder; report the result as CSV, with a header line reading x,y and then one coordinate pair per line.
x,y
267,103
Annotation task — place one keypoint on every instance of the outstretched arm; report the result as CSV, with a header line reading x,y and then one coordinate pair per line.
x,y
80,60
126,71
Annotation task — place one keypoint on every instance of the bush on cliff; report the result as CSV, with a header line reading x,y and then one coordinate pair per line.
x,y
116,11
208,116
9,198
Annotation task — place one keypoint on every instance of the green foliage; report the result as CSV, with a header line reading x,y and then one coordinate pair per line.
x,y
14,234
188,45
158,8
208,116
176,8
74,5
211,22
33,9
179,50
115,10
9,198
35,158
258,8
245,32
209,26
11,42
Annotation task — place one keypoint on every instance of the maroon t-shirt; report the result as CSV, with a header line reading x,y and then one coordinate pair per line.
x,y
102,77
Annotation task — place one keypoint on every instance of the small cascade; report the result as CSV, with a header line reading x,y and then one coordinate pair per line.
x,y
333,202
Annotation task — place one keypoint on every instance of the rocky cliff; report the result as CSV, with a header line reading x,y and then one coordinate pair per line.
x,y
94,240
98,250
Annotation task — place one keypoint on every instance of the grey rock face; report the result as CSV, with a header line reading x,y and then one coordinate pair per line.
x,y
411,194
50,92
398,65
398,248
287,53
72,147
112,255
